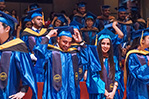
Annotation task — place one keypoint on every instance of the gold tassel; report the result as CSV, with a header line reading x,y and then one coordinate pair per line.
x,y
96,40
141,38
43,18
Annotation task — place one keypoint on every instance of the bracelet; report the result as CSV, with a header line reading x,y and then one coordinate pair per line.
x,y
81,42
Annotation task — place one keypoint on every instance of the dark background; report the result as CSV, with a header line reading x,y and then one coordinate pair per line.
x,y
31,1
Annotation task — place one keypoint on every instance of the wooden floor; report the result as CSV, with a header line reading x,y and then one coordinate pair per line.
x,y
83,94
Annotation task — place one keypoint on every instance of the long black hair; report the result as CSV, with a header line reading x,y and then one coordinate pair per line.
x,y
110,60
136,43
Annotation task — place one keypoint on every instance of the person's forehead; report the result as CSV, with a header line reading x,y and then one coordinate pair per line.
x,y
65,37
81,7
122,12
106,9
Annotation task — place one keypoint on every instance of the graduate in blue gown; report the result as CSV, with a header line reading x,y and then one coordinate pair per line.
x,y
63,64
81,13
59,20
137,67
97,84
105,18
135,17
15,63
89,32
32,36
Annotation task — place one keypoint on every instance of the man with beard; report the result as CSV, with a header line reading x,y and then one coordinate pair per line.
x,y
63,63
33,36
3,6
105,18
79,16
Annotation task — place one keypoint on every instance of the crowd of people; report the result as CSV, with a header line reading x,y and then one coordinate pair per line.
x,y
110,55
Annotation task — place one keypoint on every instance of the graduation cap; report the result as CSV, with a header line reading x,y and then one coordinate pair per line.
x,y
121,9
140,33
61,17
34,6
35,13
76,25
26,19
134,8
81,4
8,20
65,31
90,15
105,33
105,7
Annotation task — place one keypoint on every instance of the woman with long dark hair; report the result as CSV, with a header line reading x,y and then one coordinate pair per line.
x,y
106,80
136,73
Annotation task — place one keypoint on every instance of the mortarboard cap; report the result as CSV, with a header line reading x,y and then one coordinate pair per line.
x,y
65,31
105,33
34,6
81,4
138,33
90,15
134,8
76,24
26,19
8,20
105,7
62,18
35,13
121,9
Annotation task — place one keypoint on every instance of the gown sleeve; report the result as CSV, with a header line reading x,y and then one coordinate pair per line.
x,y
140,72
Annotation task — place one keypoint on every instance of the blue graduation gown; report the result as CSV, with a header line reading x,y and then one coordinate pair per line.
x,y
80,19
96,86
68,90
31,39
137,76
20,68
101,22
89,35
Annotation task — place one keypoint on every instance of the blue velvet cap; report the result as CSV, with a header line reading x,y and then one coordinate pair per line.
x,y
138,33
34,13
34,6
90,15
76,24
26,19
61,17
65,31
81,4
105,7
105,33
8,20
121,9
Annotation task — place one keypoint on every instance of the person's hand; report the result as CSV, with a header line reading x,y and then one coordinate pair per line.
x,y
85,75
77,36
19,28
18,95
52,33
33,57
111,95
106,94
